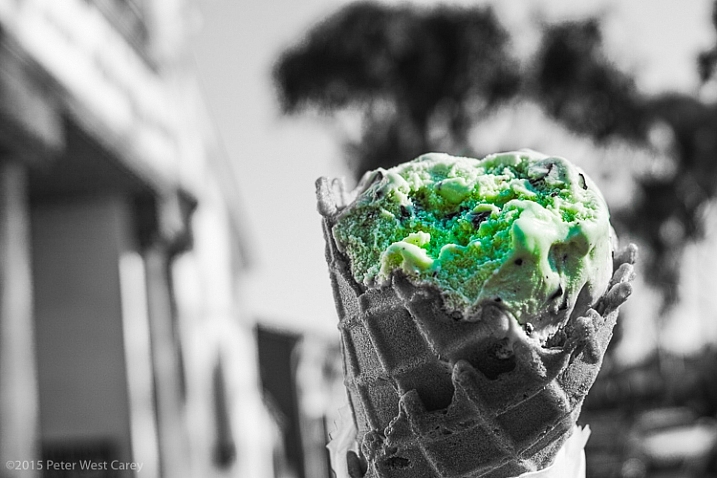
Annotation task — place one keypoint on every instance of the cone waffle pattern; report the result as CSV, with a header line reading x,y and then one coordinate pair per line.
x,y
436,397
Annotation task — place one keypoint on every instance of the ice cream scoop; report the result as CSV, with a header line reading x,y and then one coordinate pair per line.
x,y
521,229
476,299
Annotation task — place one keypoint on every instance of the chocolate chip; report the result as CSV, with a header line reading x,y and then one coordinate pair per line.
x,y
536,181
478,217
583,184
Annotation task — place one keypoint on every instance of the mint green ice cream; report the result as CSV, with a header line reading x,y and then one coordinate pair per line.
x,y
520,229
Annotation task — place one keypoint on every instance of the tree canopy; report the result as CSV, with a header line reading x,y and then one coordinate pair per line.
x,y
401,68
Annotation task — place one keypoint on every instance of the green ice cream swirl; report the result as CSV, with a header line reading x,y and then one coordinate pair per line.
x,y
521,229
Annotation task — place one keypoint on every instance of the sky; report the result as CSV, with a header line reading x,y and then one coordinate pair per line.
x,y
278,158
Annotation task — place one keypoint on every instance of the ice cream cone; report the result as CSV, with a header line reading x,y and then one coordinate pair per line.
x,y
433,396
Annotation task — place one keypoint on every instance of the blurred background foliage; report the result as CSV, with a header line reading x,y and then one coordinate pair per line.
x,y
407,80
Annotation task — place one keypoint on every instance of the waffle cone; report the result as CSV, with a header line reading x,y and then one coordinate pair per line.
x,y
436,397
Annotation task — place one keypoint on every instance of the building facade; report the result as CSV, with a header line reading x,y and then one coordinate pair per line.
x,y
123,345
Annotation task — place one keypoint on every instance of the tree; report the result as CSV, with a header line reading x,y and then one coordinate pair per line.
x,y
578,85
406,71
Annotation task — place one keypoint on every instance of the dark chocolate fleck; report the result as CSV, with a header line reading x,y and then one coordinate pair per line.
x,y
583,184
558,292
536,181
478,217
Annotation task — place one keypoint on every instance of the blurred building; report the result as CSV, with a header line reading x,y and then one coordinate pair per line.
x,y
122,339
302,381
